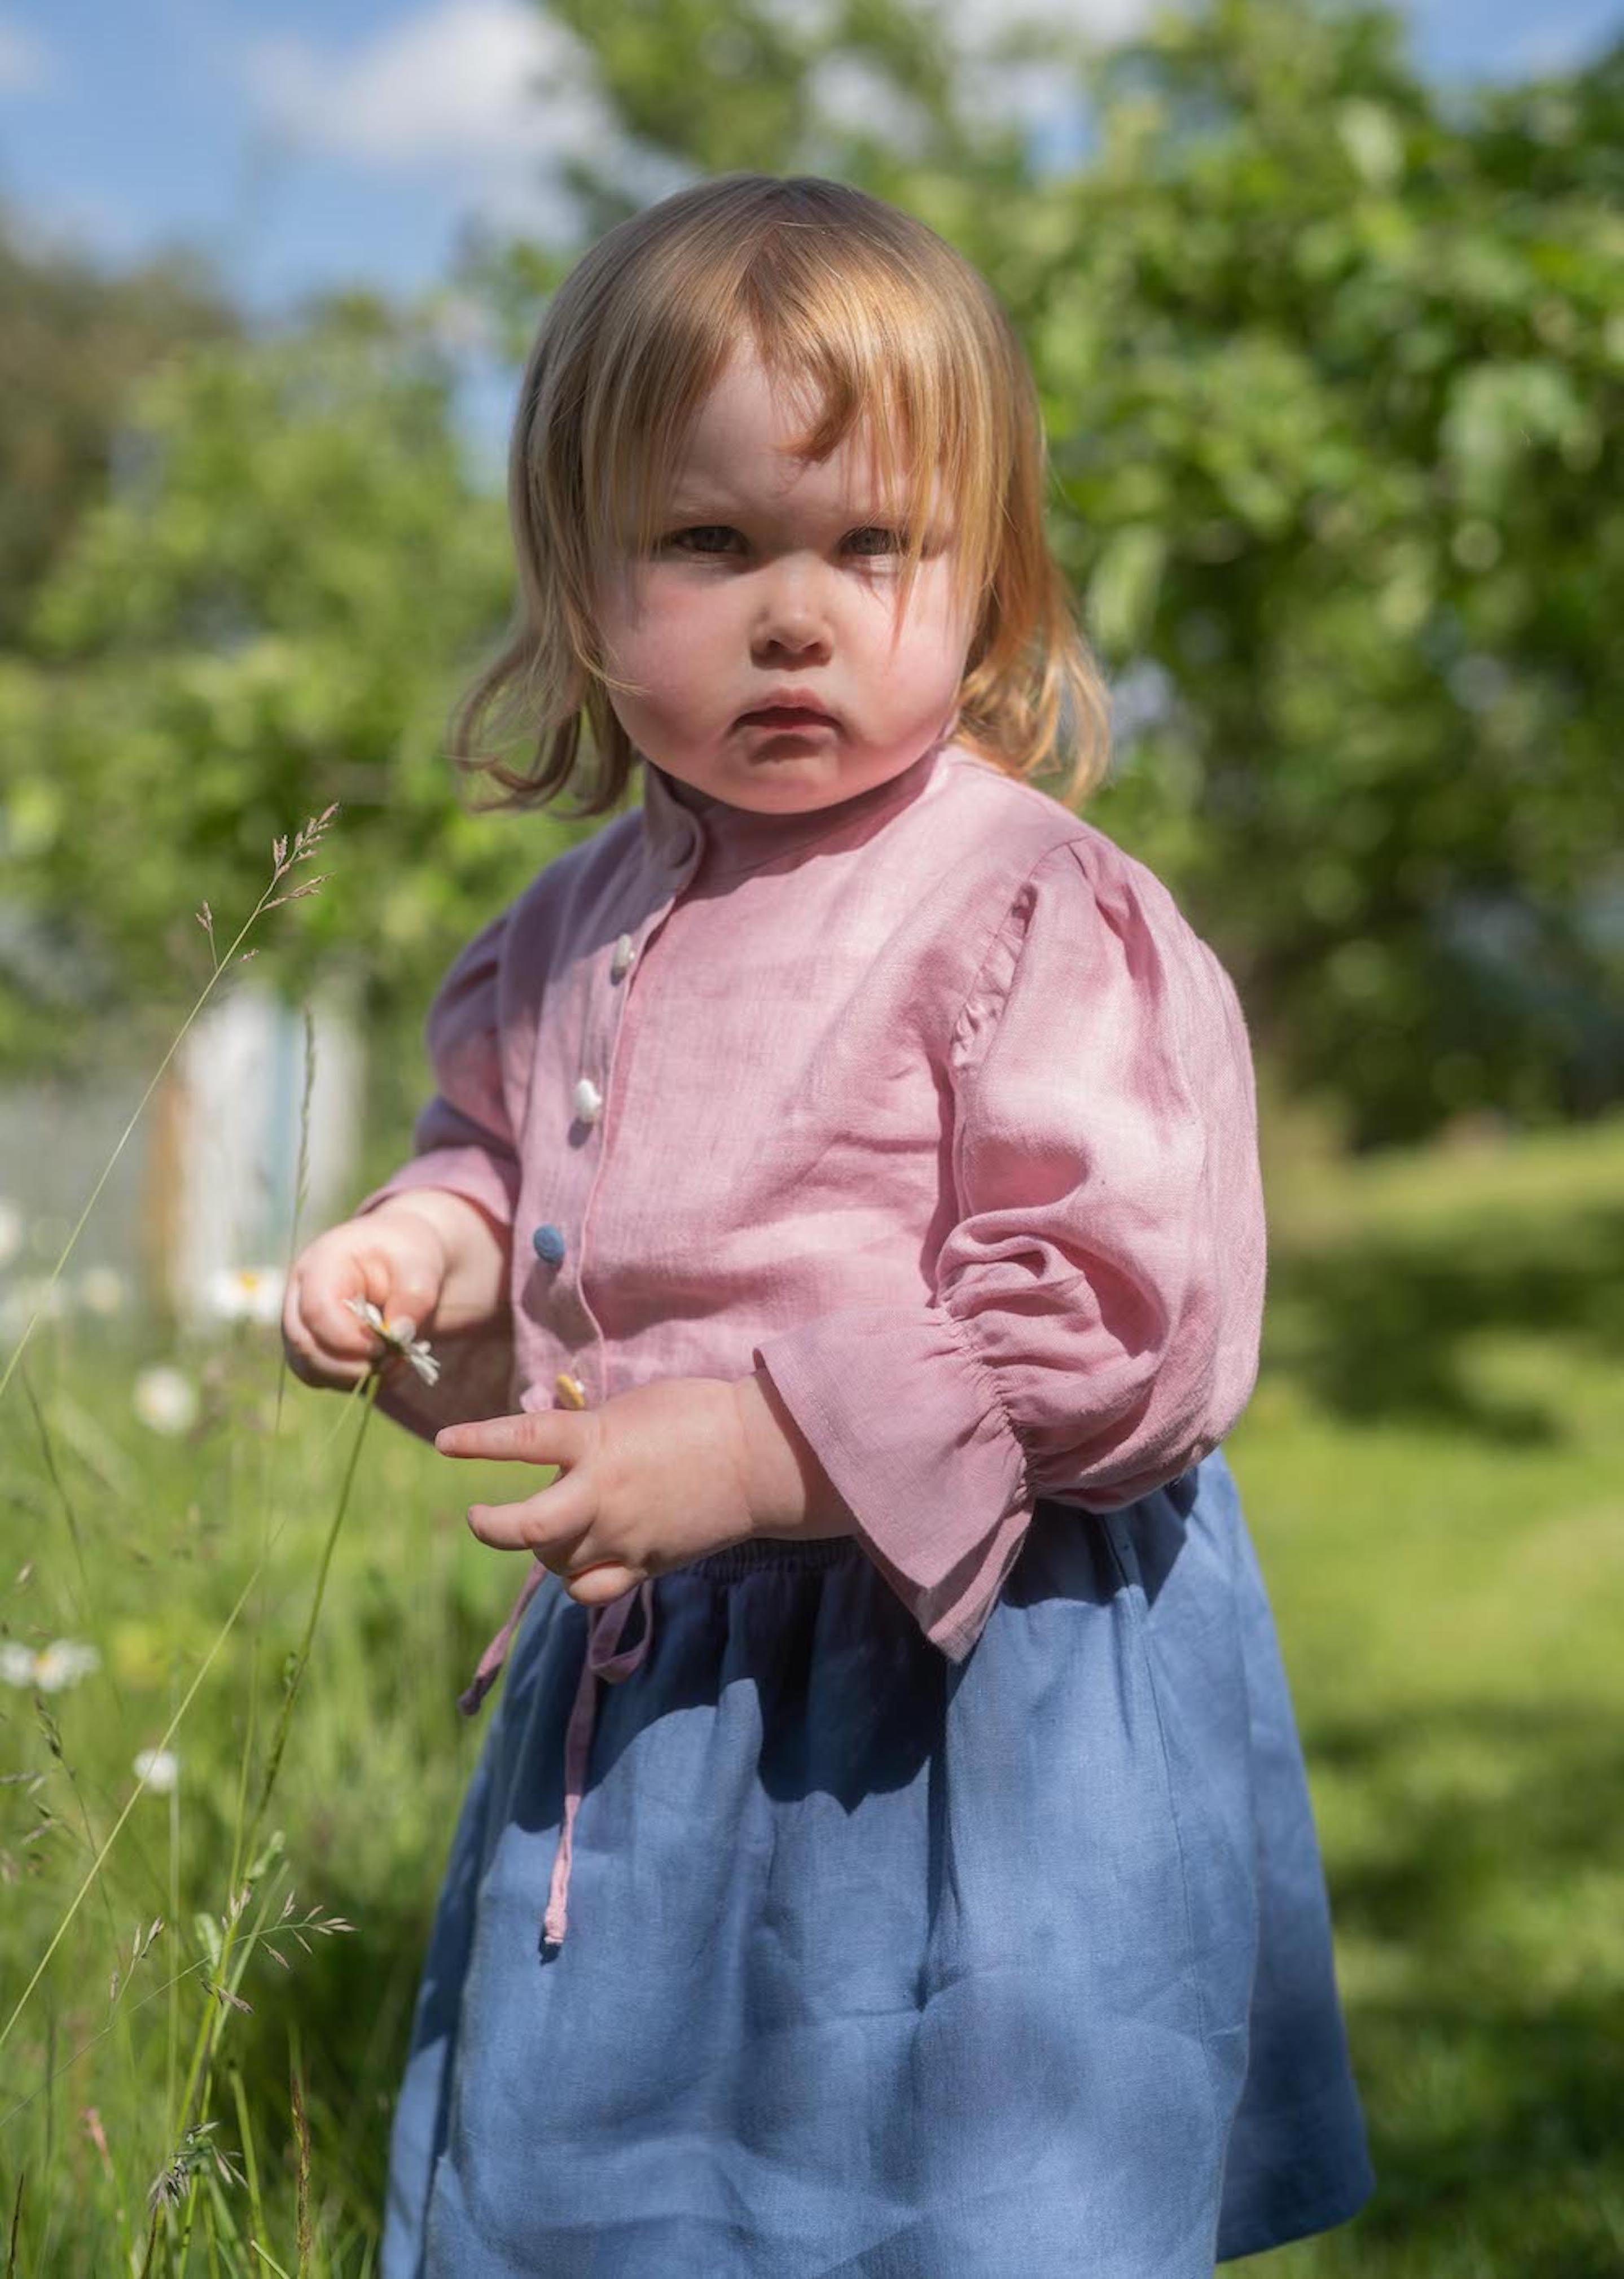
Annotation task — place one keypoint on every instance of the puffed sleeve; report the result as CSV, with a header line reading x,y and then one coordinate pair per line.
x,y
1093,1325
462,1141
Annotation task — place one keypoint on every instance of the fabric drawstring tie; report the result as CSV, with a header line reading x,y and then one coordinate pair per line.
x,y
604,1658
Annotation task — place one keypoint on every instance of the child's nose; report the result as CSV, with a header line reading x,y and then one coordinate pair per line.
x,y
792,620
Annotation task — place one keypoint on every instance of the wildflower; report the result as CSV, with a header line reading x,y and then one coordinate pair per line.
x,y
103,1290
160,1768
400,1335
245,1294
10,1230
166,1399
62,1663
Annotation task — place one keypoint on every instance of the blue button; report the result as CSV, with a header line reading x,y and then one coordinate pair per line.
x,y
549,1244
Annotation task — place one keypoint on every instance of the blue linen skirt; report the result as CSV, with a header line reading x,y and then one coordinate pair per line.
x,y
881,1967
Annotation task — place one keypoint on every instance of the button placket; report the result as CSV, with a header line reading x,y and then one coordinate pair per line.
x,y
604,1014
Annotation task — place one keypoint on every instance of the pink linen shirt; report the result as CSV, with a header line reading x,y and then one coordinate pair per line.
x,y
930,1104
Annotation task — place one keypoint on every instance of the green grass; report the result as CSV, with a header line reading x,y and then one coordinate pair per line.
x,y
1432,1467
1433,1470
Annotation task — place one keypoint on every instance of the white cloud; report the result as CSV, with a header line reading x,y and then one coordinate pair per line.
x,y
484,93
488,92
27,67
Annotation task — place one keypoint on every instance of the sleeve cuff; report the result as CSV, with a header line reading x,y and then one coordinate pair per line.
x,y
910,1429
472,1172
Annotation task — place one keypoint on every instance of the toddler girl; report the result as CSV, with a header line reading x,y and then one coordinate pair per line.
x,y
889,1854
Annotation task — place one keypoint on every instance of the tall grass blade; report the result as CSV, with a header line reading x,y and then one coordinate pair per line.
x,y
11,2256
302,2131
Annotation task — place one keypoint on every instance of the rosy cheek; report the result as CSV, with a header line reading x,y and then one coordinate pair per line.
x,y
679,615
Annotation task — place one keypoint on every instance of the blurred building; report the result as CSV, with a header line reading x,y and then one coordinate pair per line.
x,y
205,1186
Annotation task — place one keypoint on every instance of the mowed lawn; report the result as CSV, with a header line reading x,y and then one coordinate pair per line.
x,y
1434,1469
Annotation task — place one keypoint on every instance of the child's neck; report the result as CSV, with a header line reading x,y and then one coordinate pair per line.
x,y
736,837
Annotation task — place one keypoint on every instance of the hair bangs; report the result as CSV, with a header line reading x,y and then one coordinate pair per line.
x,y
877,355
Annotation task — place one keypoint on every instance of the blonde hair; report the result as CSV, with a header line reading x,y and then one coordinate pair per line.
x,y
888,323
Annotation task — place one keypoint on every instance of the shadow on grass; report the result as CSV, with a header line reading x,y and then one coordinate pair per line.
x,y
1378,1331
1492,2062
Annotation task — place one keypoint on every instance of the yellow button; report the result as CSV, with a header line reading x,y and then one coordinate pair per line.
x,y
571,1392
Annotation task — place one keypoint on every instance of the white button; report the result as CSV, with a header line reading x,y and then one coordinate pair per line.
x,y
588,1100
623,958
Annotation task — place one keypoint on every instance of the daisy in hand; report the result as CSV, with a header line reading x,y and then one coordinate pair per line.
x,y
400,1339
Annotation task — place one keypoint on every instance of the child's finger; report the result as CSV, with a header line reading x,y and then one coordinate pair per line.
x,y
550,1524
330,1302
335,1326
595,1586
310,1356
551,1437
408,1295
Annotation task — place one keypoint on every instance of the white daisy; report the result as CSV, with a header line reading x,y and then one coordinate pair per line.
x,y
103,1290
160,1768
245,1294
166,1399
400,1335
15,1663
60,1664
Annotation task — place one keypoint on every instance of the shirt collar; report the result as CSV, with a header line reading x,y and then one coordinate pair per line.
x,y
676,817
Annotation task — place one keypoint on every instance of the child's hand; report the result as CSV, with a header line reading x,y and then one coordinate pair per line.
x,y
394,1257
654,1479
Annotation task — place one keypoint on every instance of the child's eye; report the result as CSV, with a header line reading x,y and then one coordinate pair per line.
x,y
886,541
703,538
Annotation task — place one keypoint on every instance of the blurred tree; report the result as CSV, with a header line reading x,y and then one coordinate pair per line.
x,y
1332,368
71,340
1336,390
268,613
1333,372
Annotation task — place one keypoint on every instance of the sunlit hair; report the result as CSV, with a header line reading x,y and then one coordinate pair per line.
x,y
860,309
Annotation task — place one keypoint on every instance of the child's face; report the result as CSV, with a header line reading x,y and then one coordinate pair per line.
x,y
773,577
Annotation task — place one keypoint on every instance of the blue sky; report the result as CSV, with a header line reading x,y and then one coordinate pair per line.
x,y
311,142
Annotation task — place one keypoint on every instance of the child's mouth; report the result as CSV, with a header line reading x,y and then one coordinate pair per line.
x,y
783,716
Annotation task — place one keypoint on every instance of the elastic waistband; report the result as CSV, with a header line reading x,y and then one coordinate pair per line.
x,y
741,1559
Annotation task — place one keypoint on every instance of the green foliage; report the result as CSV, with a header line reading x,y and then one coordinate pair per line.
x,y
1335,426
71,339
268,613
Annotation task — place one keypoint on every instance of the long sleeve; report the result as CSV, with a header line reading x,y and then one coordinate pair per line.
x,y
1092,1330
464,1142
